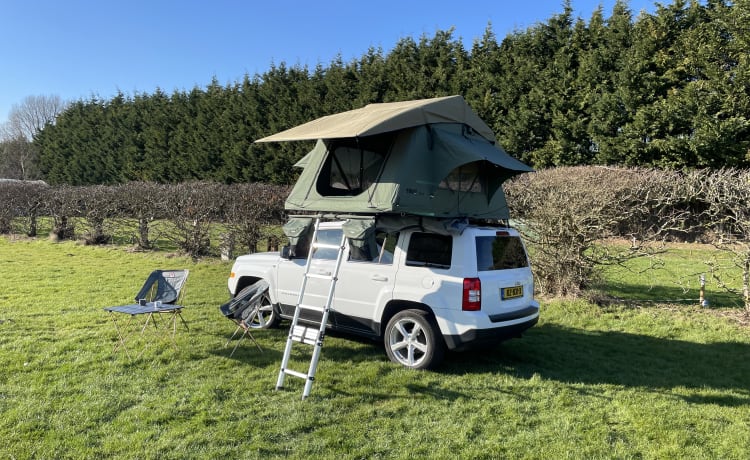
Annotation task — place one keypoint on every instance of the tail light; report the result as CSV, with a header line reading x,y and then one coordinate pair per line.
x,y
472,298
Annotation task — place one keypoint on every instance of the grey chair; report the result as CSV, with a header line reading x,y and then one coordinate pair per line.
x,y
161,294
167,287
243,309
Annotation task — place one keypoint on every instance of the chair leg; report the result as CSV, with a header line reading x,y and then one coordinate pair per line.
x,y
230,338
184,323
237,345
245,333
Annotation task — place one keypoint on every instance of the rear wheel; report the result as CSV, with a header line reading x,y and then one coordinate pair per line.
x,y
413,340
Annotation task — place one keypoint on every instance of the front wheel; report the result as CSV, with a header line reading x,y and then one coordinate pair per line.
x,y
413,340
267,316
245,299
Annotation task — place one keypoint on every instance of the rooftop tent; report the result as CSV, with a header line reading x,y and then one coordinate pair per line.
x,y
431,157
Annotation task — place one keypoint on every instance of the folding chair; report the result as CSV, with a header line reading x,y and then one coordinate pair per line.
x,y
167,287
161,294
243,309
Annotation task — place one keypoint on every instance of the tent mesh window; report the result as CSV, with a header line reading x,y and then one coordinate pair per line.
x,y
466,178
353,164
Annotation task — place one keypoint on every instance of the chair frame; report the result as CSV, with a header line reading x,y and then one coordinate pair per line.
x,y
152,310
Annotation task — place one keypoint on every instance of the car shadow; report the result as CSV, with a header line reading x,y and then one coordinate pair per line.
x,y
576,356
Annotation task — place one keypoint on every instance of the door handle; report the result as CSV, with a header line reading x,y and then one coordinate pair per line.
x,y
379,278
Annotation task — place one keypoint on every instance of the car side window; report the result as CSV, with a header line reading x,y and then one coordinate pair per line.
x,y
385,246
327,236
430,250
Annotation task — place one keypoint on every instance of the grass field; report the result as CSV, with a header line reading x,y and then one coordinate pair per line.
x,y
621,381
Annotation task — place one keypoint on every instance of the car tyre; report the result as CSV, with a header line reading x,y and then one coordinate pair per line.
x,y
413,339
267,316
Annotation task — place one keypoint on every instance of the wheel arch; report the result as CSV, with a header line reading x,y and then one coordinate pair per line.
x,y
244,282
395,306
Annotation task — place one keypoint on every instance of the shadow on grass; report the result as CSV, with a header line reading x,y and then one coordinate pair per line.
x,y
671,294
630,360
351,348
552,352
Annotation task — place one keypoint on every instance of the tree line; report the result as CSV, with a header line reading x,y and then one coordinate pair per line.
x,y
669,89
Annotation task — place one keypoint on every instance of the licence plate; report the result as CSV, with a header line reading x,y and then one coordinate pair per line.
x,y
511,292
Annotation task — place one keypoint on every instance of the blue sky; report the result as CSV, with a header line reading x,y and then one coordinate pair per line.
x,y
83,48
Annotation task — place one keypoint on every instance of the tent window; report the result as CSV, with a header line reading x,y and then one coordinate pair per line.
x,y
466,178
353,165
354,170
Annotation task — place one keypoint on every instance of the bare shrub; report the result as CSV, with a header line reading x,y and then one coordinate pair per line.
x,y
251,209
564,213
191,208
62,203
99,205
727,218
144,203
8,205
20,202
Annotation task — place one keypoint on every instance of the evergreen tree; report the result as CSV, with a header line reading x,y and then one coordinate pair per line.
x,y
669,89
610,44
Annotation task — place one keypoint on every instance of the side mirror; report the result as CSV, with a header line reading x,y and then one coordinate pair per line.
x,y
286,252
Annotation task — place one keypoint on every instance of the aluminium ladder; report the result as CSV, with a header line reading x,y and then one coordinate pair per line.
x,y
311,335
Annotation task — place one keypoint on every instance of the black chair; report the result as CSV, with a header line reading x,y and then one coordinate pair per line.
x,y
243,309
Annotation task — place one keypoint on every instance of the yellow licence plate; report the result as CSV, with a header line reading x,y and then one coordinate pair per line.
x,y
511,292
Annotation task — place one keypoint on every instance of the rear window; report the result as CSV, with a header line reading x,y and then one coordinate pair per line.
x,y
429,250
500,253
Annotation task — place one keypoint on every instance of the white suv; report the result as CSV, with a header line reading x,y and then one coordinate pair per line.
x,y
420,292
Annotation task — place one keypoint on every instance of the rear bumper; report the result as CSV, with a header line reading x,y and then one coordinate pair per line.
x,y
478,338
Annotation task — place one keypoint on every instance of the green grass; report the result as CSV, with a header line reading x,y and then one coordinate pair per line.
x,y
587,382
675,278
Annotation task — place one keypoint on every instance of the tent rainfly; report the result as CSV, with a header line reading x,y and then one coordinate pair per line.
x,y
430,157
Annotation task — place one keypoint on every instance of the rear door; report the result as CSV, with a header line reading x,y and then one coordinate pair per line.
x,y
503,269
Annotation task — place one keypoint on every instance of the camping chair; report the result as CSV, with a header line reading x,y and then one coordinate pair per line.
x,y
243,309
167,287
161,294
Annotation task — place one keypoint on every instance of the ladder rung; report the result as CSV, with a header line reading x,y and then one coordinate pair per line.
x,y
312,307
326,246
305,334
319,276
295,373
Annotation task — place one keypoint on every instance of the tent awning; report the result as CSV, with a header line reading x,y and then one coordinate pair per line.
x,y
457,150
381,118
